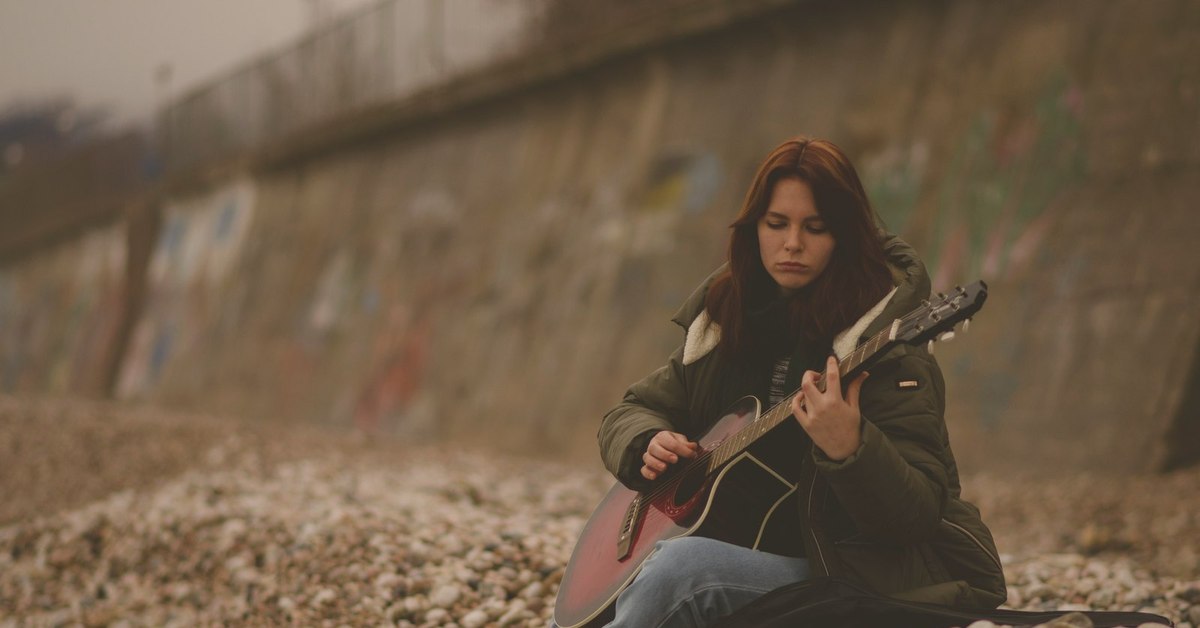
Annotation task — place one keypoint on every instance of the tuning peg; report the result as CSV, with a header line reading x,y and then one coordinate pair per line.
x,y
946,336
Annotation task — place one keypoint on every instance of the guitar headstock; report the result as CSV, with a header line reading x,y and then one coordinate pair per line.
x,y
936,318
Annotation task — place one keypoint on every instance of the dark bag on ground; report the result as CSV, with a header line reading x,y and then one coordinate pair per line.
x,y
836,603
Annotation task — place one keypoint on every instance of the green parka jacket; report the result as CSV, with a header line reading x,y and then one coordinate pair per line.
x,y
889,516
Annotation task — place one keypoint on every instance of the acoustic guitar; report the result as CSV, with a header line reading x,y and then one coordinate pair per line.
x,y
746,470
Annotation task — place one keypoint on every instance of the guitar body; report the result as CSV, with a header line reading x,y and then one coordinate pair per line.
x,y
734,505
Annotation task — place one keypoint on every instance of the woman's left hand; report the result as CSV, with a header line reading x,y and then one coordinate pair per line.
x,y
833,423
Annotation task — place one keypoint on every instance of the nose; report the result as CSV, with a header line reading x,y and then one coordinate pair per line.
x,y
794,241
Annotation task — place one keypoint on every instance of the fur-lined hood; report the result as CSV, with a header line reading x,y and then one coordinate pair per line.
x,y
908,275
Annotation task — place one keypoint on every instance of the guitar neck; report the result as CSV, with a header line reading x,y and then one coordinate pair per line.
x,y
848,368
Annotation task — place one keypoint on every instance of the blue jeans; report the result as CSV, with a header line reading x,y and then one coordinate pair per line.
x,y
691,581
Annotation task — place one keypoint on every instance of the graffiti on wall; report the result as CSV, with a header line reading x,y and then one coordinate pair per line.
x,y
680,186
567,252
997,204
391,393
59,314
893,179
200,242
1003,177
991,208
392,387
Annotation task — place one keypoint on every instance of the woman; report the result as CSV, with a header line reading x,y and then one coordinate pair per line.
x,y
809,276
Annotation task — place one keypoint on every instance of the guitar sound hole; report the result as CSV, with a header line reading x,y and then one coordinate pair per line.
x,y
690,483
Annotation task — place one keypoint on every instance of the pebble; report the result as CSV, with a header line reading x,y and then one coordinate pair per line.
x,y
323,597
445,597
474,619
414,604
515,612
533,591
388,581
436,538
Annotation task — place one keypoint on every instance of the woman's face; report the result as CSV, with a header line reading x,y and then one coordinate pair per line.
x,y
793,240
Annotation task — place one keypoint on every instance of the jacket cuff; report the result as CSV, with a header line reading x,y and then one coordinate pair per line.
x,y
631,461
825,463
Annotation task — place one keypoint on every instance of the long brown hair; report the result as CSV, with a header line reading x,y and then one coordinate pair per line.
x,y
857,276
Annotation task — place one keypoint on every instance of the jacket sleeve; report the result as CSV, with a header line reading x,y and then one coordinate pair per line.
x,y
657,402
895,485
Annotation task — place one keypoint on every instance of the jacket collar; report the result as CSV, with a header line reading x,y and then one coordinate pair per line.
x,y
908,275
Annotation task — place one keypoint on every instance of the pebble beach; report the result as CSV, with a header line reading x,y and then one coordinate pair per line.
x,y
134,517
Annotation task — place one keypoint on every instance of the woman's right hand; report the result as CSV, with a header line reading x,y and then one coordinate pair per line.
x,y
664,450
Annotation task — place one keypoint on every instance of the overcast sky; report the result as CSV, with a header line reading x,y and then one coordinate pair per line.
x,y
107,52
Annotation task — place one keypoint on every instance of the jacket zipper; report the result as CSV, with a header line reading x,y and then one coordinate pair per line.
x,y
983,547
811,527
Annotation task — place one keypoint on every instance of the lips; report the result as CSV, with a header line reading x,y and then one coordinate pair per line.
x,y
792,267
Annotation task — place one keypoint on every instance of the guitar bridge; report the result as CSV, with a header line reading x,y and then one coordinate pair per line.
x,y
629,527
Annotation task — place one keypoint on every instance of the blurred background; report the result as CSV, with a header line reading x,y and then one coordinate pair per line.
x,y
471,219
467,223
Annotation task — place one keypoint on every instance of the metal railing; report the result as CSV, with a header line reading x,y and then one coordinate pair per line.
x,y
383,53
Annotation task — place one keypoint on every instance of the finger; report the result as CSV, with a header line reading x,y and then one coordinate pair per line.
x,y
649,473
808,384
654,462
679,444
854,389
665,437
684,442
833,379
798,408
662,453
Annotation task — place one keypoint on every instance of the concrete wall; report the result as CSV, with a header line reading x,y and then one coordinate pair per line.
x,y
60,314
500,272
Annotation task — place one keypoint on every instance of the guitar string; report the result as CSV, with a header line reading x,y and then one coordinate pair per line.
x,y
662,489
